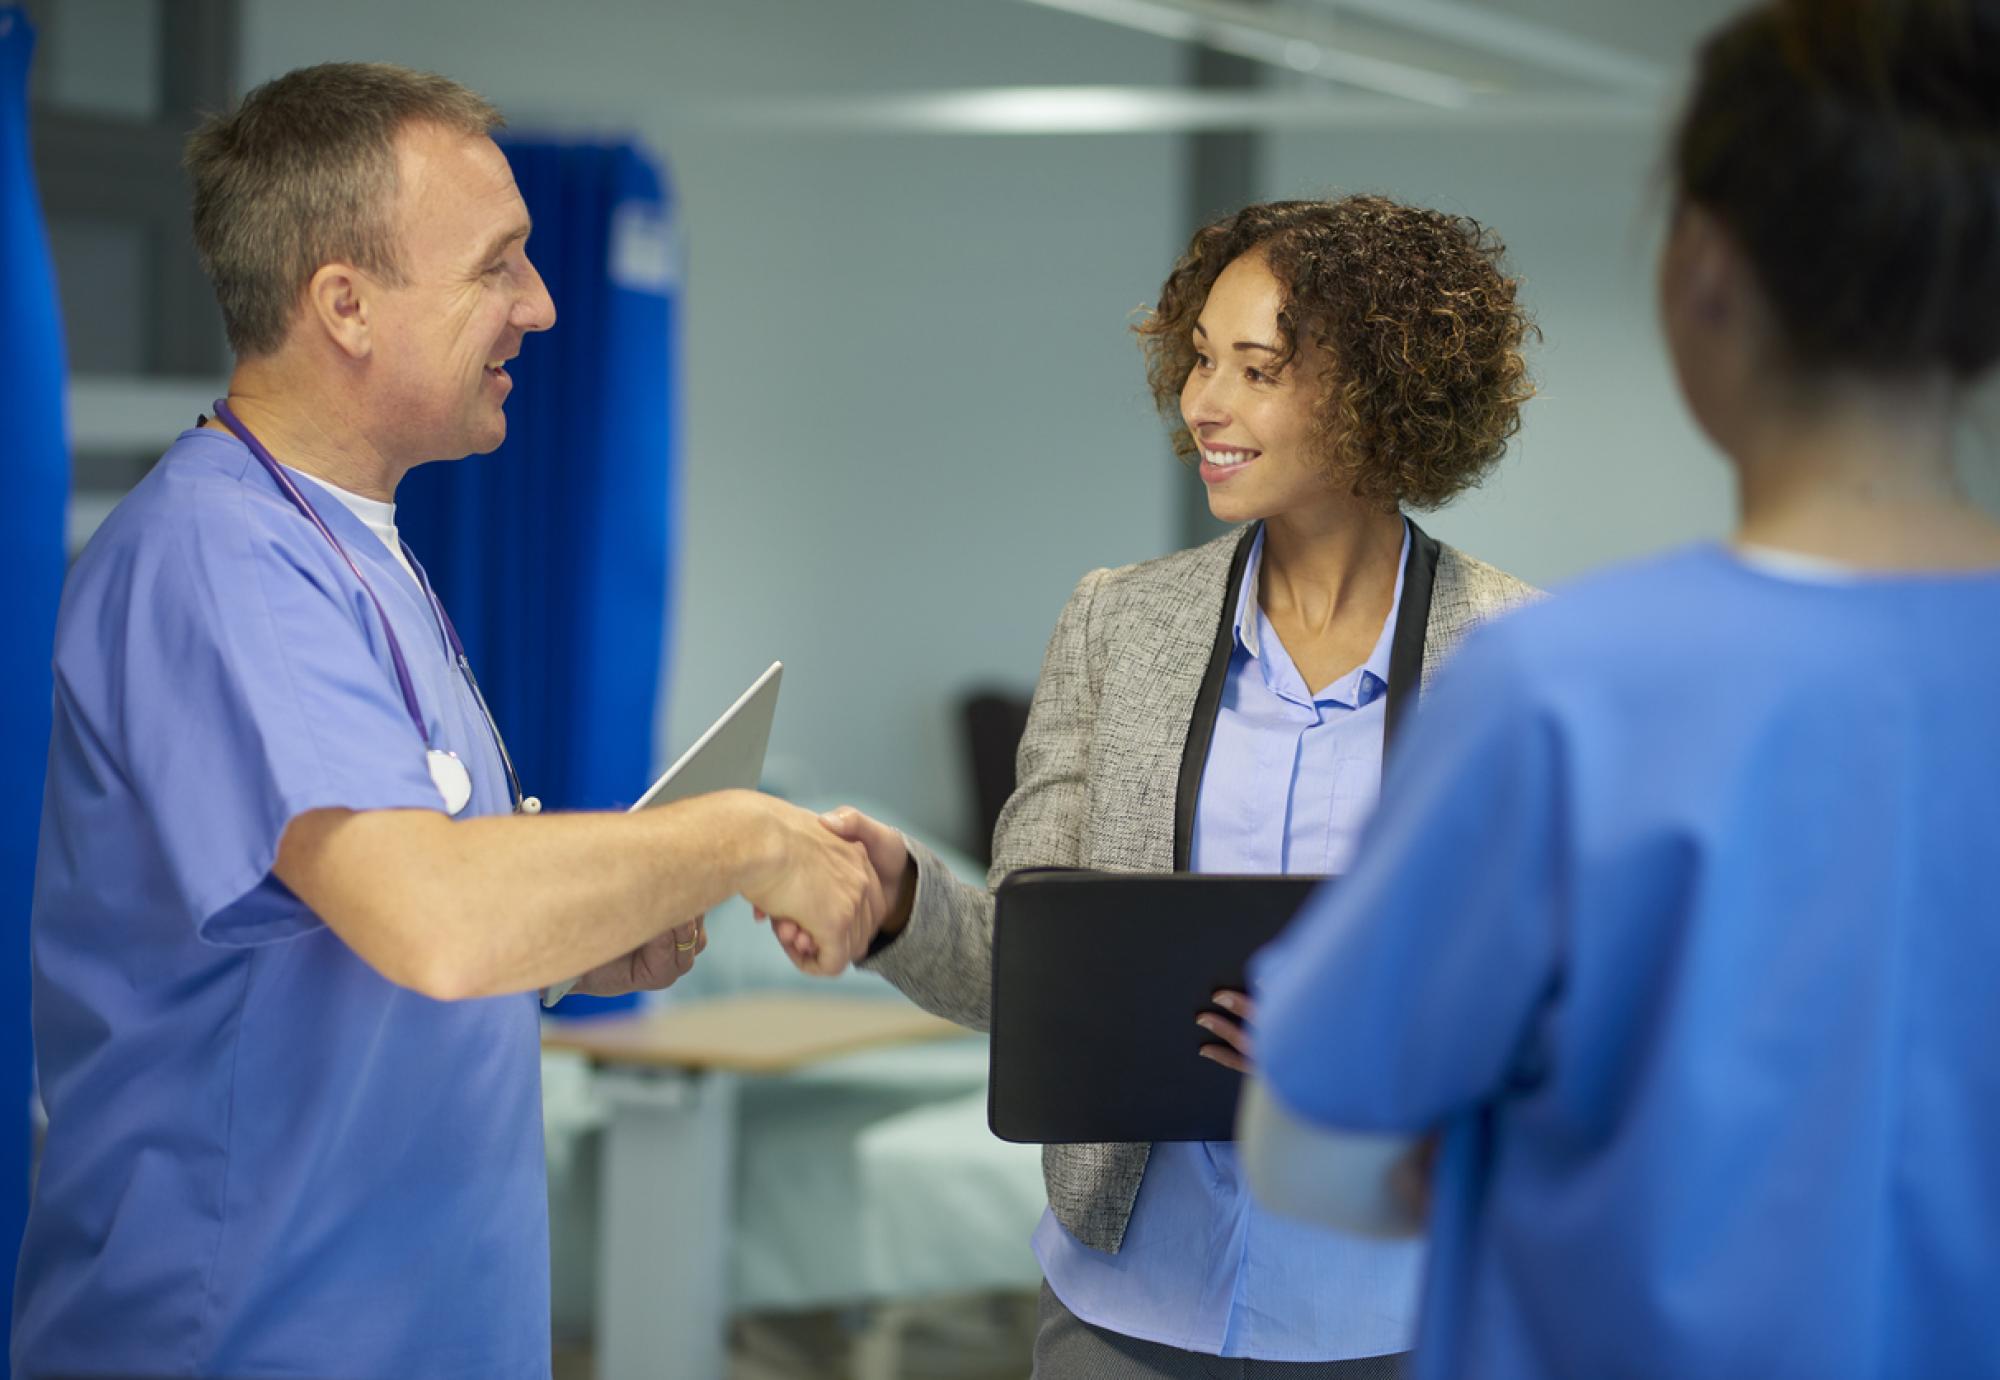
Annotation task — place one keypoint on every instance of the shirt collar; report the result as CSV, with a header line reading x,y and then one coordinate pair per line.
x,y
1353,687
1376,668
1246,597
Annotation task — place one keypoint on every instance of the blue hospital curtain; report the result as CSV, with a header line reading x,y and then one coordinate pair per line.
x,y
34,457
553,554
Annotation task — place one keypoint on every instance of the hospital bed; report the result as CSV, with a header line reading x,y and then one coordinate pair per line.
x,y
864,1182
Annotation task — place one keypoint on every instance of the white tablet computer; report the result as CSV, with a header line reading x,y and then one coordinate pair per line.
x,y
729,755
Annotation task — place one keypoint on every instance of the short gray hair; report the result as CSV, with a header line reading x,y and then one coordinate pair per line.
x,y
303,173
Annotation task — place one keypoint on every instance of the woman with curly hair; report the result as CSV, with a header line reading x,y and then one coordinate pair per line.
x,y
1683,927
1224,710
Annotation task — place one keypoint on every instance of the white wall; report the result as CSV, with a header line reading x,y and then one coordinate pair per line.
x,y
913,412
1607,465
913,415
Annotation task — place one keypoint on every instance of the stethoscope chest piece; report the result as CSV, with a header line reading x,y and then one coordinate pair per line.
x,y
451,778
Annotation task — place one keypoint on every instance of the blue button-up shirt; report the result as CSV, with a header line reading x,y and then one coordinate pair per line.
x,y
1292,777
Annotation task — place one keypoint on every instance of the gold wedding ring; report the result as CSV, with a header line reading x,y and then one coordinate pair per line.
x,y
683,948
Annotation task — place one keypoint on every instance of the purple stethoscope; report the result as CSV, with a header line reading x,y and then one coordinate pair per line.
x,y
453,781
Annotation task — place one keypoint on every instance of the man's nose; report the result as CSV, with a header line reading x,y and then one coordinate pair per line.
x,y
537,310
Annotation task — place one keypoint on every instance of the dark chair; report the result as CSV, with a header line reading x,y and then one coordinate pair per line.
x,y
994,720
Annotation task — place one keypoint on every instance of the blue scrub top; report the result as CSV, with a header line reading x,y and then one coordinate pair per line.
x,y
262,1158
1681,916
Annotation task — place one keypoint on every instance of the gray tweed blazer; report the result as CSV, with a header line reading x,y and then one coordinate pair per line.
x,y
1108,770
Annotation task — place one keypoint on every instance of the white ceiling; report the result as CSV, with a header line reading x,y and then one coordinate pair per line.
x,y
1327,64
1663,30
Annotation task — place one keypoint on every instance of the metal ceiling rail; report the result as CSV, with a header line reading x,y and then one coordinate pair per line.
x,y
1255,32
1294,39
1486,29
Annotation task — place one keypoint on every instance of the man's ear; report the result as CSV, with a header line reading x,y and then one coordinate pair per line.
x,y
339,301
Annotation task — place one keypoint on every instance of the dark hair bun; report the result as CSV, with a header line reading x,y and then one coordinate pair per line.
x,y
1853,148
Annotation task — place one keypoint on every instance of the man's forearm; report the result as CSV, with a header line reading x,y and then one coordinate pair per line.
x,y
567,893
505,904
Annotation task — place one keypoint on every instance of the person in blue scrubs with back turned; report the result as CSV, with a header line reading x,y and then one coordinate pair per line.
x,y
291,909
1681,917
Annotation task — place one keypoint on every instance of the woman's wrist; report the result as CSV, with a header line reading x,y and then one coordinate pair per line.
x,y
902,903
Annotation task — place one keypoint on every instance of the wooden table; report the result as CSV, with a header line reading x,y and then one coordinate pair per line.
x,y
757,1032
669,1079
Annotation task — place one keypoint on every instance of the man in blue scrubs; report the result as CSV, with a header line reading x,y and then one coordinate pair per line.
x,y
289,920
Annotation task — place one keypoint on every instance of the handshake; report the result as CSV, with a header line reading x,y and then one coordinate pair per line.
x,y
828,884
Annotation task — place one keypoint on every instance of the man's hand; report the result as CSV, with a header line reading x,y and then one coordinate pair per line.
x,y
820,885
895,876
1234,1050
651,967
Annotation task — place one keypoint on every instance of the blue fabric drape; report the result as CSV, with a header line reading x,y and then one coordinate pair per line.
x,y
553,553
34,458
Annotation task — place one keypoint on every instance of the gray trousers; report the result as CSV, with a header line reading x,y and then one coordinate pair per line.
x,y
1068,1348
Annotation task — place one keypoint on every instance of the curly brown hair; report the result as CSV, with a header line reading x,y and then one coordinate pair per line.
x,y
1418,321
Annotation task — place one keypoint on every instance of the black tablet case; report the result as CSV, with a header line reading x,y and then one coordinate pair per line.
x,y
1097,979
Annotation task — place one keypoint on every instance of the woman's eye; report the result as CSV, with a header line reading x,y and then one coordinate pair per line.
x,y
1202,361
1256,375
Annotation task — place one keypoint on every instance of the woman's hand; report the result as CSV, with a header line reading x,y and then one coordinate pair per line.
x,y
1232,1032
653,966
895,874
1410,1180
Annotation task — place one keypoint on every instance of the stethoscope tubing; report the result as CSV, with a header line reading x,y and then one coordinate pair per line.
x,y
404,682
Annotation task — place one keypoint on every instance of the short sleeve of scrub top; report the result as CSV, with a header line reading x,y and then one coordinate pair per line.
x,y
283,701
1446,1009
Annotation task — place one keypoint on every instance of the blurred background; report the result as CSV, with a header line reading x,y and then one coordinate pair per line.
x,y
912,236
895,412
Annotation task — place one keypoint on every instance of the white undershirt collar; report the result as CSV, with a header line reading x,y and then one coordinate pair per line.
x,y
377,516
1796,565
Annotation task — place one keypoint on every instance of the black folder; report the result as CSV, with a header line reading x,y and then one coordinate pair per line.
x,y
1097,980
